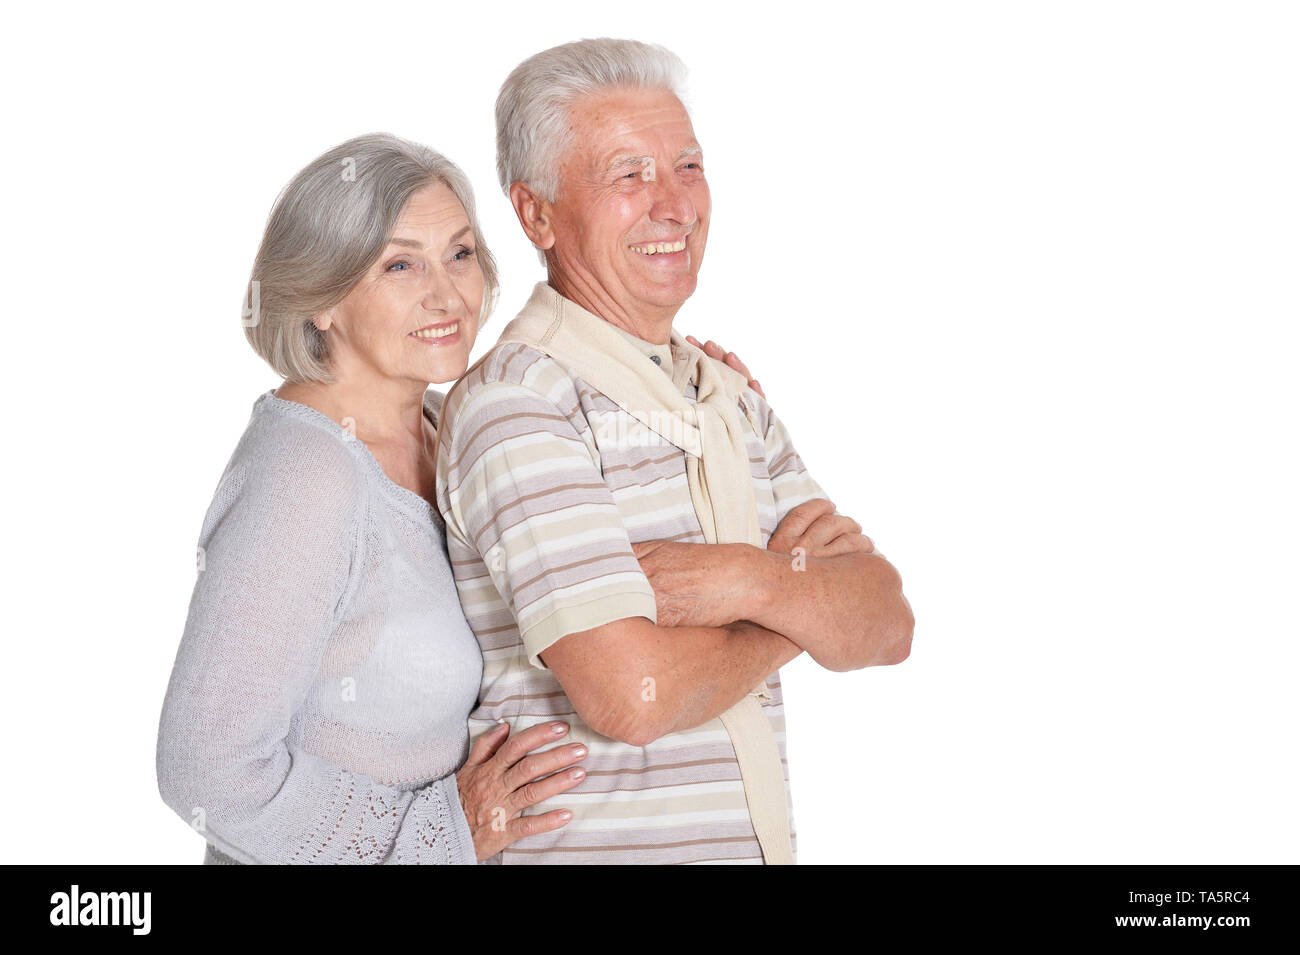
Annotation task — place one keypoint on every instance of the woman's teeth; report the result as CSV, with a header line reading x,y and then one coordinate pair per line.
x,y
657,248
440,332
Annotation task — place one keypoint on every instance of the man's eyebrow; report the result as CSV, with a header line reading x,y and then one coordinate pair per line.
x,y
640,162
414,244
621,162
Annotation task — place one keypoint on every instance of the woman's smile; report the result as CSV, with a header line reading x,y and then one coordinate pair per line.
x,y
444,333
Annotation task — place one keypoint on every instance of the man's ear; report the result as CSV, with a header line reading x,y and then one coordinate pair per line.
x,y
534,214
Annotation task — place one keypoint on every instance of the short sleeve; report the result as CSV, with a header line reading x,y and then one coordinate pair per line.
x,y
792,485
526,505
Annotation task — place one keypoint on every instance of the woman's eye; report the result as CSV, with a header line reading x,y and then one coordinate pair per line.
x,y
399,267
463,254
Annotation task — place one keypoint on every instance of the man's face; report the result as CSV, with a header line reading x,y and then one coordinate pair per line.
x,y
632,212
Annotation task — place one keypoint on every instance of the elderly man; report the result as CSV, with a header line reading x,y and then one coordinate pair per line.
x,y
594,461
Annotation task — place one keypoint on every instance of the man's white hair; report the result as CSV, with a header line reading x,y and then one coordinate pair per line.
x,y
533,129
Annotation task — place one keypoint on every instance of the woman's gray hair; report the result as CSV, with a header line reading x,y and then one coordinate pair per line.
x,y
533,127
326,230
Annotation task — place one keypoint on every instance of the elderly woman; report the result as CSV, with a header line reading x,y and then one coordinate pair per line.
x,y
317,709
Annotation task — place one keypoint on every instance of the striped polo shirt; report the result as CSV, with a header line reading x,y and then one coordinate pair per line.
x,y
545,484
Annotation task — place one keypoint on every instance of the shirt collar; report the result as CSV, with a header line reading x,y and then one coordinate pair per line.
x,y
664,353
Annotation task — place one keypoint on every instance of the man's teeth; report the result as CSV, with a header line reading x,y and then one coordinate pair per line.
x,y
440,332
655,248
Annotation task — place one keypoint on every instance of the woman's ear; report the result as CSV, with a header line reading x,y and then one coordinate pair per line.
x,y
324,319
534,214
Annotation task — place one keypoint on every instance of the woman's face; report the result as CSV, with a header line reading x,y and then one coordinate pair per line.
x,y
414,315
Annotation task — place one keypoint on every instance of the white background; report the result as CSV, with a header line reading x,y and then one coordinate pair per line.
x,y
1021,278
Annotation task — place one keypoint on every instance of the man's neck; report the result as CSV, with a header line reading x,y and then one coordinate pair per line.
x,y
653,325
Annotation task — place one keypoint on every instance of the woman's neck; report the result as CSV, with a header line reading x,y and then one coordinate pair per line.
x,y
387,416
384,412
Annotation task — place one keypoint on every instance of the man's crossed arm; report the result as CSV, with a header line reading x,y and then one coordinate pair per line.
x,y
730,615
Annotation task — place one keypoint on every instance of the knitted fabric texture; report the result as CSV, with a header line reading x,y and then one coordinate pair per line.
x,y
317,708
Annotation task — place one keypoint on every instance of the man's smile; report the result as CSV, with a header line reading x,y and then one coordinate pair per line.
x,y
660,248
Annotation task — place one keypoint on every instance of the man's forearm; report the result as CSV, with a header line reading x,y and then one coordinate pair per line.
x,y
847,611
634,681
709,670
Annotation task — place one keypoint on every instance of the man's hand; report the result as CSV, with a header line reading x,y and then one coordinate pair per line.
x,y
827,546
839,599
712,585
819,531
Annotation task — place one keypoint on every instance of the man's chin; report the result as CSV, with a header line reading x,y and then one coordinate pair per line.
x,y
669,294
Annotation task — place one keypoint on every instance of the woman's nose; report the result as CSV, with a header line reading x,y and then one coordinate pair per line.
x,y
440,292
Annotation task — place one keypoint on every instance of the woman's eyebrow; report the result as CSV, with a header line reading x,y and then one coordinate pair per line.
x,y
415,244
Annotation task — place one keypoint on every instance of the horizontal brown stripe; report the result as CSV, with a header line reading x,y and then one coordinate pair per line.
x,y
777,465
728,859
643,464
662,766
637,848
496,421
523,696
554,571
515,502
486,631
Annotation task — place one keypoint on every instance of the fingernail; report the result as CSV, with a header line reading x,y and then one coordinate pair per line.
x,y
577,773
579,752
566,815
558,728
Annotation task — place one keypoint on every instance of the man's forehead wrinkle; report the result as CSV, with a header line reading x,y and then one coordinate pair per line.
x,y
625,119
619,129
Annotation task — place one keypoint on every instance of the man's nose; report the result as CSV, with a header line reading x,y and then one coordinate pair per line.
x,y
672,200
